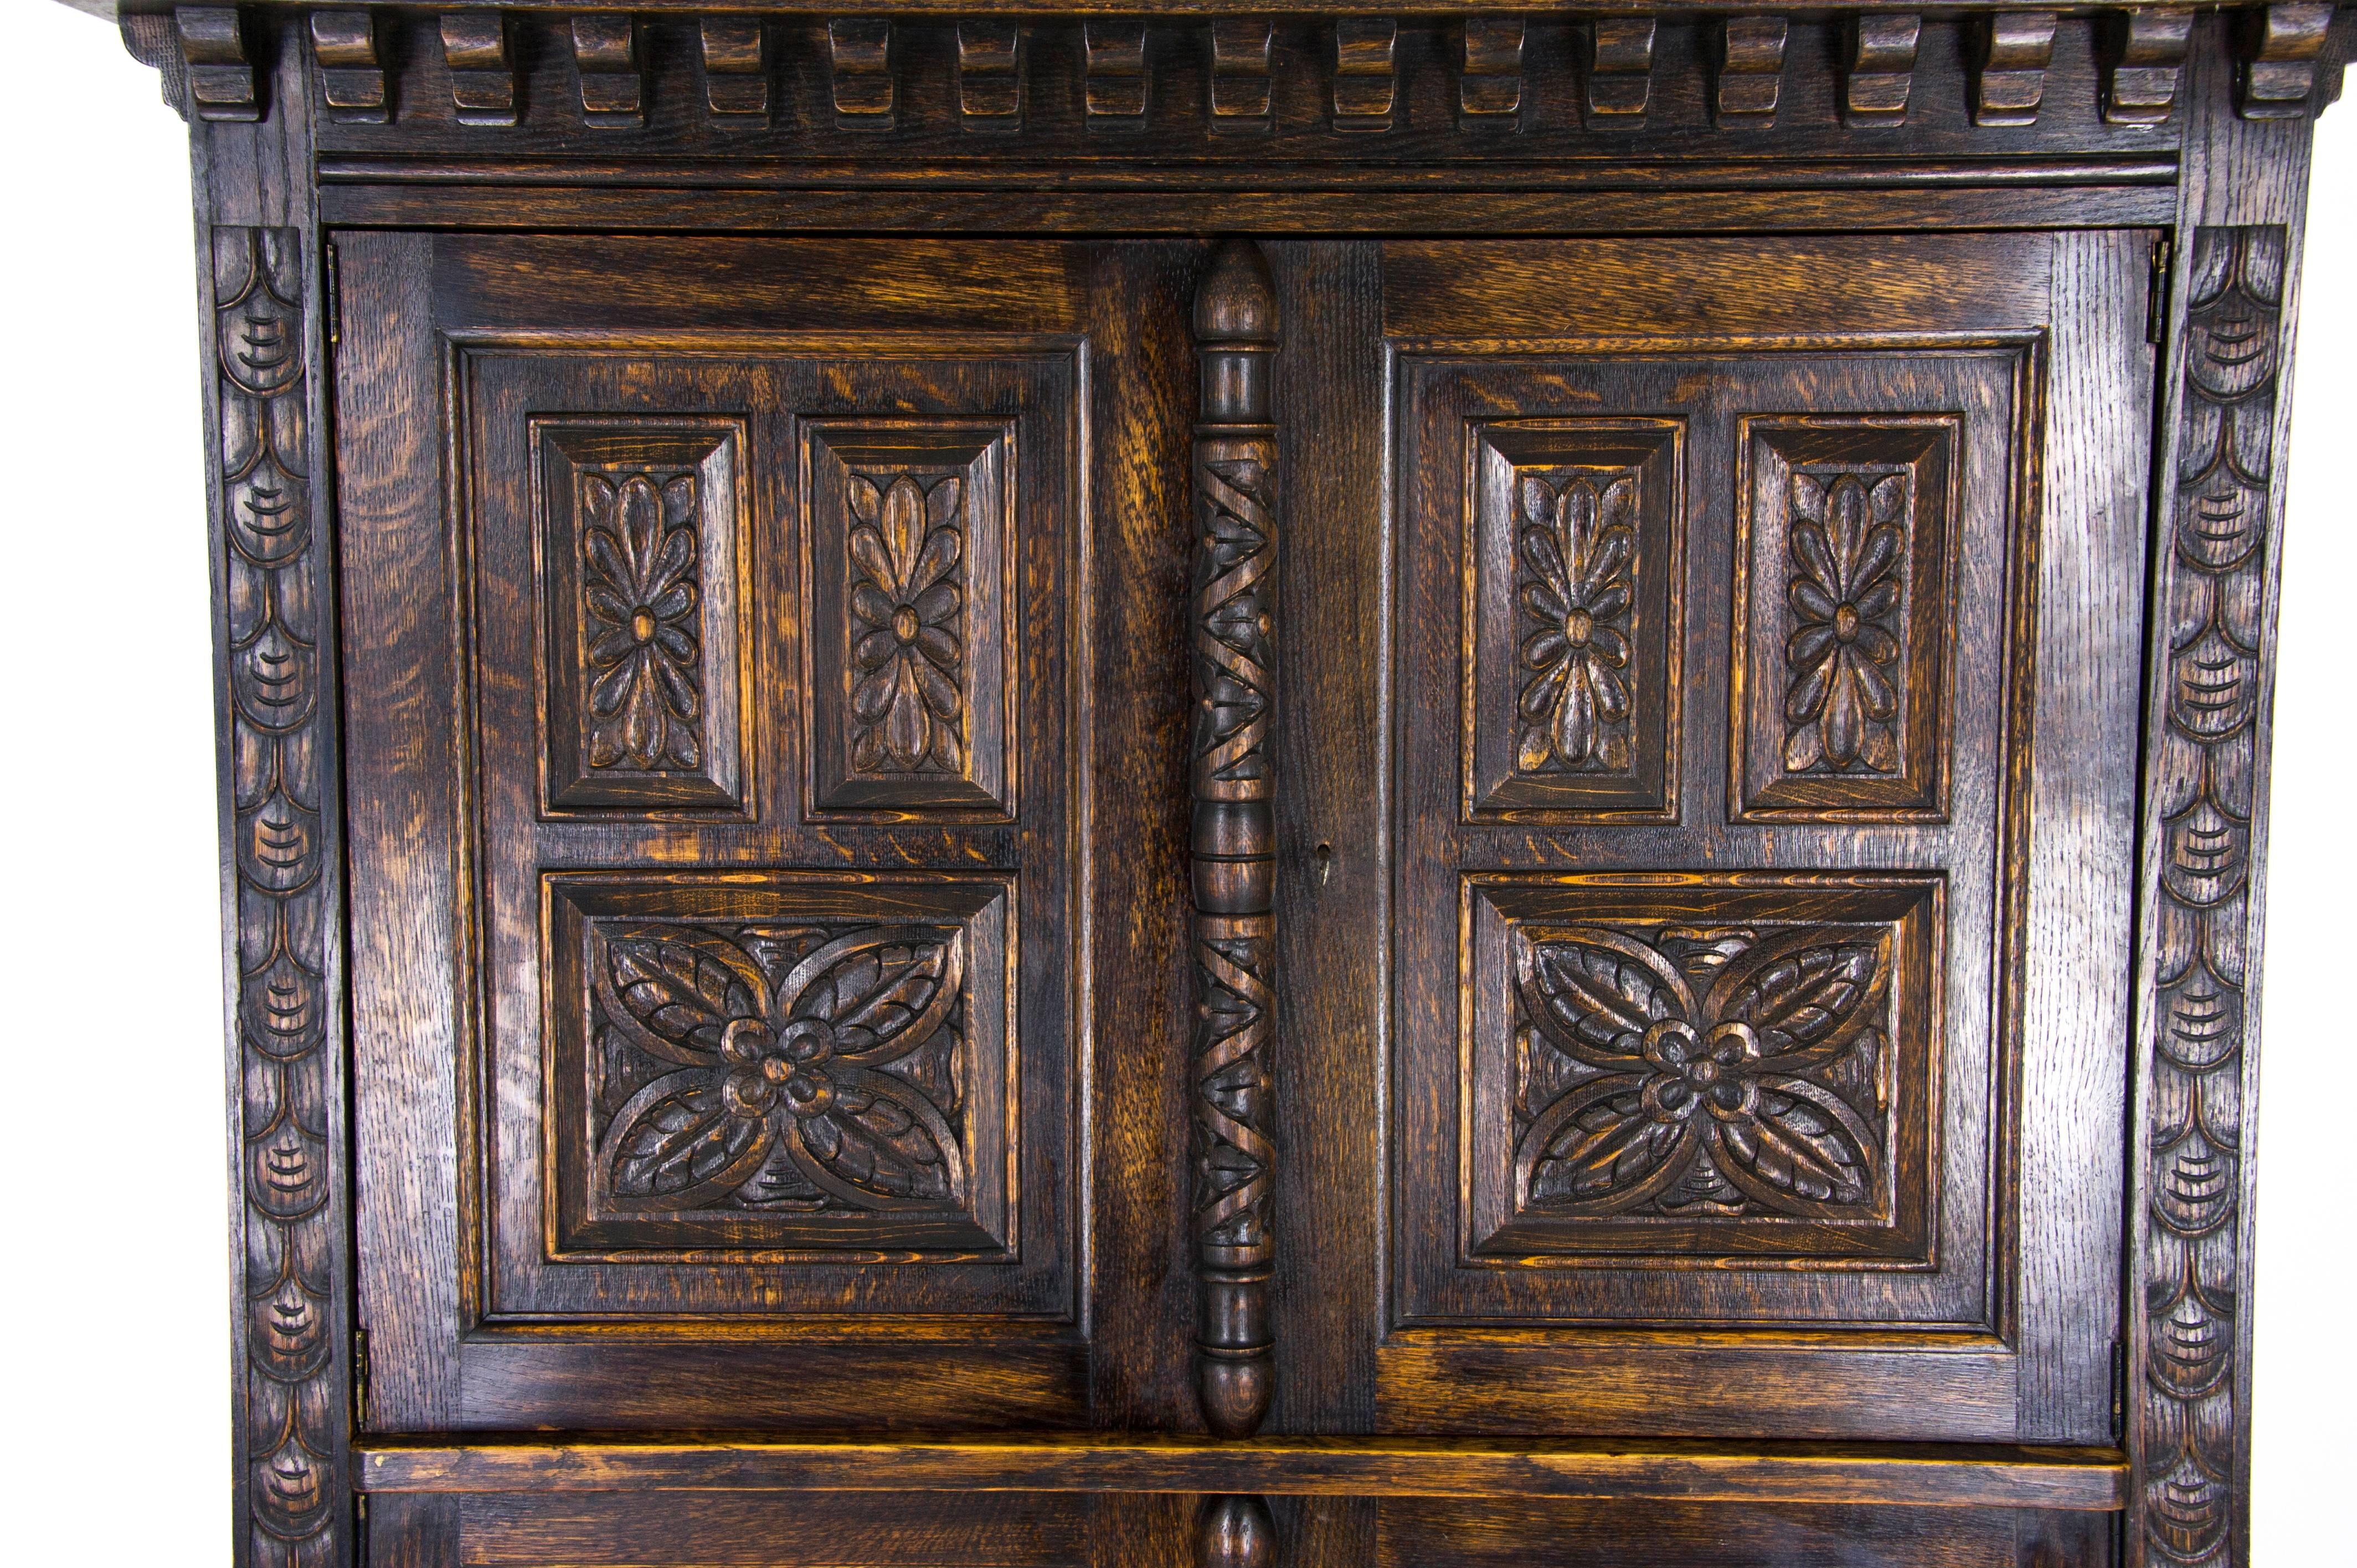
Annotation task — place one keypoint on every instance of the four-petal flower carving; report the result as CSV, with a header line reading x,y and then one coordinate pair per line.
x,y
1848,548
907,713
639,549
789,1081
1576,547
1730,1086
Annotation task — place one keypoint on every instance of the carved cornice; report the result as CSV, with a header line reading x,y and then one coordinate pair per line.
x,y
1345,70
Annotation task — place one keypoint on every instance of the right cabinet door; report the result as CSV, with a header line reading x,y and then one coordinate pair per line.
x,y
1763,653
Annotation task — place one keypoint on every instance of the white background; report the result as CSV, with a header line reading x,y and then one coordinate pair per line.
x,y
115,1404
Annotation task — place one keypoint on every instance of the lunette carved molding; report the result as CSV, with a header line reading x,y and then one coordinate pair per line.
x,y
2203,778
295,1421
1233,843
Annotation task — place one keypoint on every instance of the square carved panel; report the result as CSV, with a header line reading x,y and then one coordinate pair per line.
x,y
1574,550
785,1063
910,528
1666,1070
1844,609
637,530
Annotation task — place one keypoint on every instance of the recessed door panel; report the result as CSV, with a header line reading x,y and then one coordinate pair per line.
x,y
1713,874
745,755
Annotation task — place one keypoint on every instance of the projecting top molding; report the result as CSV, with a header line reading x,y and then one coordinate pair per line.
x,y
1340,81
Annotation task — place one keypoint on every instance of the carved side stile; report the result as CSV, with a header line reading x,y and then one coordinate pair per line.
x,y
1233,840
2211,597
294,1417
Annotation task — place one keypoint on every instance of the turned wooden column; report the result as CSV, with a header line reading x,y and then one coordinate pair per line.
x,y
1234,844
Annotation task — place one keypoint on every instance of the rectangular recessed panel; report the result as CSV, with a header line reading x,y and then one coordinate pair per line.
x,y
1677,1070
911,527
1702,1020
802,1064
1575,543
1843,615
637,529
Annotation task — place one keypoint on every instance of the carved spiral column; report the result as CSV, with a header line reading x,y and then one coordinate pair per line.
x,y
1234,844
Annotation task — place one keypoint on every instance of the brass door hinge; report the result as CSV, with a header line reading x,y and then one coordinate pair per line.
x,y
335,294
2156,294
2119,1389
360,1379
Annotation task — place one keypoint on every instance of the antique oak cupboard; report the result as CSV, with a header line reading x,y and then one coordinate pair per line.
x,y
1050,787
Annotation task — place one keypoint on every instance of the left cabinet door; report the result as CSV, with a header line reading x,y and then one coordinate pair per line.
x,y
723,623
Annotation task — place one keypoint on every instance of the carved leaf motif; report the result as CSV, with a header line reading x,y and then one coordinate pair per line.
x,y
640,622
1601,991
1740,1102
908,710
880,1145
1576,547
681,990
884,991
1804,1003
775,1099
1846,591
679,1144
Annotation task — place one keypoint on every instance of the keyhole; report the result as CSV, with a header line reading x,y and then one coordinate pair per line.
x,y
1324,855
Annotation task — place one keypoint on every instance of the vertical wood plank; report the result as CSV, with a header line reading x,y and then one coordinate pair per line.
x,y
2080,830
1140,405
406,929
1333,879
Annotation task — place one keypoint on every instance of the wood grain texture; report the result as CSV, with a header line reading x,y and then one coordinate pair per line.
x,y
1333,878
1490,89
272,542
874,629
2077,830
2233,309
2055,1478
1468,1535
1232,777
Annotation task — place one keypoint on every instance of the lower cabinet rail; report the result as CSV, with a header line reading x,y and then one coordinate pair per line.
x,y
2068,1480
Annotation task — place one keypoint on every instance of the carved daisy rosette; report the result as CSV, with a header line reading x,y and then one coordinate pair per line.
x,y
1752,1096
639,603
1577,546
830,1071
1846,594
908,705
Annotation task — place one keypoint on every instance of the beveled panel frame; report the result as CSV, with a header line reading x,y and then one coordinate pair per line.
x,y
911,704
755,1016
1796,1024
1563,620
648,705
1844,613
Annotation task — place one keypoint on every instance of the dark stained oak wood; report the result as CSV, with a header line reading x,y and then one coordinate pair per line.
x,y
1689,999
2052,1478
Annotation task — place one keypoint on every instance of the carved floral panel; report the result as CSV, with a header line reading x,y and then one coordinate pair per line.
x,y
1572,601
1738,1065
911,536
791,1071
1843,610
639,537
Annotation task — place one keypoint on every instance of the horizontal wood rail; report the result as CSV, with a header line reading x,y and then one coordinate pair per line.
x,y
2080,1480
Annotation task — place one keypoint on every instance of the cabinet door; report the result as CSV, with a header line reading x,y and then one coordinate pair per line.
x,y
731,624
1759,687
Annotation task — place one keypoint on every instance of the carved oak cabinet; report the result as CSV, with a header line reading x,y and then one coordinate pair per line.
x,y
1052,786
